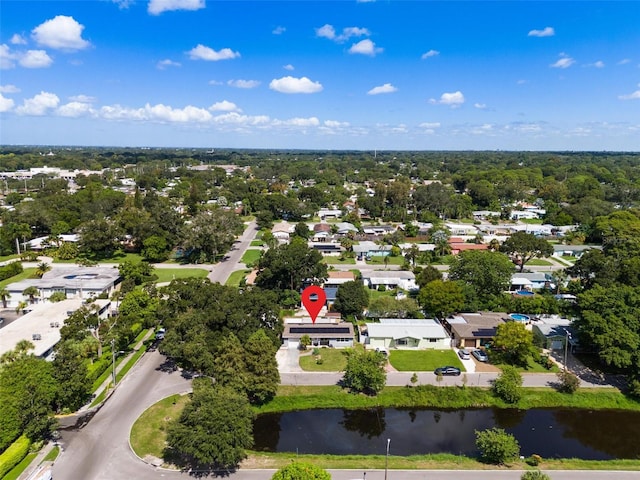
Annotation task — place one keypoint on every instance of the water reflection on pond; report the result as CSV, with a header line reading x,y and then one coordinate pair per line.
x,y
563,433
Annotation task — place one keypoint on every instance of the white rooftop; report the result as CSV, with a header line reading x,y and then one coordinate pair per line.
x,y
406,328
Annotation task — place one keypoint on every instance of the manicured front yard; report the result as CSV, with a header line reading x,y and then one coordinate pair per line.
x,y
423,360
250,257
379,260
538,262
168,274
333,260
235,277
26,273
332,360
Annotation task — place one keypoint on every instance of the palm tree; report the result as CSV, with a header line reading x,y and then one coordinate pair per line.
x,y
4,296
21,306
43,267
31,292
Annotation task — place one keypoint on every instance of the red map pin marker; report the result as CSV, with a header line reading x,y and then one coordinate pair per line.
x,y
313,306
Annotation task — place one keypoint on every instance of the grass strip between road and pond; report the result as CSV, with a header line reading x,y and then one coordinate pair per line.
x,y
148,434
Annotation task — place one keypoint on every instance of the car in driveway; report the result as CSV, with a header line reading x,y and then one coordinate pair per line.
x,y
448,370
464,354
480,355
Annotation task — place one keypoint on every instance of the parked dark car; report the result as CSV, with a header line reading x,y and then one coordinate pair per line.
x,y
448,370
480,355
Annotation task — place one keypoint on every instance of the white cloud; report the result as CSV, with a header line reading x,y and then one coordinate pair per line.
x,y
624,61
289,67
123,4
18,39
480,106
35,59
365,47
202,52
156,7
564,62
278,30
521,82
234,118
430,125
598,64
75,109
158,113
429,54
82,98
163,64
224,106
61,33
327,31
215,82
632,96
9,89
335,124
454,99
39,104
295,85
6,104
299,122
243,83
6,57
546,32
386,88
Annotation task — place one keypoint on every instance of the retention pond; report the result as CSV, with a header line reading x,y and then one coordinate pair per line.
x,y
551,433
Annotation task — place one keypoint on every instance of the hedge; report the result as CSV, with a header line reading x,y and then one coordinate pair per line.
x,y
13,455
10,270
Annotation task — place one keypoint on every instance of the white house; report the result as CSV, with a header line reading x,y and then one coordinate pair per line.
x,y
321,334
79,282
282,231
407,333
390,279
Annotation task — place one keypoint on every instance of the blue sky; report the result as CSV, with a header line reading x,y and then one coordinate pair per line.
x,y
363,75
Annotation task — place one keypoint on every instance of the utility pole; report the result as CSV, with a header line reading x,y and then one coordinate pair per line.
x,y
113,360
386,462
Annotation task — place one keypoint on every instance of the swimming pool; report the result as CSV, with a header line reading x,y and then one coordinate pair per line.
x,y
524,292
519,317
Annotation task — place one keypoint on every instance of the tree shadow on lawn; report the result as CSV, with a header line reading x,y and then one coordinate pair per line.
x,y
195,469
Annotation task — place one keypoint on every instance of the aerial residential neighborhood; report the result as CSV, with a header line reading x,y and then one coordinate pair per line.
x,y
313,240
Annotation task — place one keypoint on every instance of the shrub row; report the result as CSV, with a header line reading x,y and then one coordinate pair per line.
x,y
10,270
14,454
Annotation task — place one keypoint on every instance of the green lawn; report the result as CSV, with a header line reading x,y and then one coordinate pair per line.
x,y
148,434
333,260
373,293
168,274
257,243
379,260
538,262
333,360
27,273
532,367
251,257
423,360
569,258
236,277
4,258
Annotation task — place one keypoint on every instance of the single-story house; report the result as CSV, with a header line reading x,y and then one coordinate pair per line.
x,y
321,232
461,228
485,214
553,333
333,281
422,247
80,282
324,213
282,231
457,247
344,228
531,214
338,335
407,333
572,250
41,243
390,279
538,230
530,281
326,248
367,248
378,229
473,330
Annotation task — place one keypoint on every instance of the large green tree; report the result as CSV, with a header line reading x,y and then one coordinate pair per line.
x,y
513,342
286,267
210,233
441,298
488,273
522,247
262,376
351,299
215,428
497,446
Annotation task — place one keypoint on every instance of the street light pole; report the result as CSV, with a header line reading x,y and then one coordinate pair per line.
x,y
566,348
386,462
113,360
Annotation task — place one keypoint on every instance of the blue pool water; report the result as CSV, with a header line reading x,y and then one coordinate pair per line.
x,y
524,292
519,317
